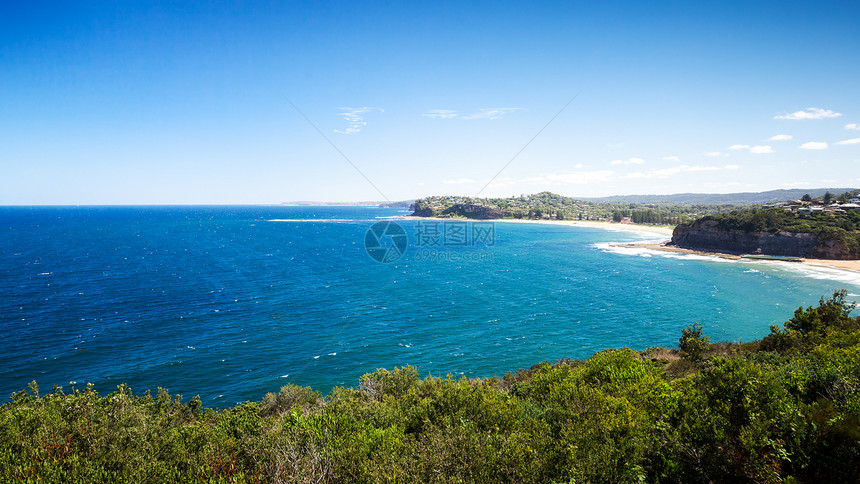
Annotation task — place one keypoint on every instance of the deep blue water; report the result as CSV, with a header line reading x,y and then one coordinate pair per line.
x,y
233,302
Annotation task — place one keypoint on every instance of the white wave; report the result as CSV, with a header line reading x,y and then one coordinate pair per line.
x,y
325,220
844,276
615,248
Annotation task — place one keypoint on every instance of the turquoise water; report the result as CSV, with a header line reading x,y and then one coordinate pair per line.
x,y
233,302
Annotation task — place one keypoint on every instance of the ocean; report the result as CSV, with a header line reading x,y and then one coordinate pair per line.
x,y
232,302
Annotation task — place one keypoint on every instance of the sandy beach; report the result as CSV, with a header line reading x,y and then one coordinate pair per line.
x,y
653,229
851,265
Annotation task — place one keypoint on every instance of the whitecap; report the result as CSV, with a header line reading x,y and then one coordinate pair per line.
x,y
324,220
811,270
814,271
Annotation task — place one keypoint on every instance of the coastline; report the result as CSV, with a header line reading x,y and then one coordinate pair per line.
x,y
653,229
850,265
845,265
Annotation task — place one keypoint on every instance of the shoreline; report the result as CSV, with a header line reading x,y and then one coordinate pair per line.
x,y
845,265
653,229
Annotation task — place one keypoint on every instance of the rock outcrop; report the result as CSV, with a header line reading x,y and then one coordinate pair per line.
x,y
707,235
419,211
459,210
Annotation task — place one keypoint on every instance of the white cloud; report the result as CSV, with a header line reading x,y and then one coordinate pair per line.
x,y
814,145
631,161
580,177
604,176
810,113
780,137
756,150
852,141
853,127
491,113
354,119
569,178
440,114
671,158
761,149
484,113
502,182
667,172
715,153
458,181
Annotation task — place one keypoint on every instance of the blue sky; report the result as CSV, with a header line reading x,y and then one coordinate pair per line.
x,y
150,102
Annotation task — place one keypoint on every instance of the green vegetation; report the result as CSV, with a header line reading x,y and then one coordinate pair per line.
x,y
745,198
841,227
775,219
786,408
692,344
546,205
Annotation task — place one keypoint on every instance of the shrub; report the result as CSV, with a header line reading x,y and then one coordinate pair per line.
x,y
692,344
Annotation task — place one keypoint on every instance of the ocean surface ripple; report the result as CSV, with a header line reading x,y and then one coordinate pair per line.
x,y
233,302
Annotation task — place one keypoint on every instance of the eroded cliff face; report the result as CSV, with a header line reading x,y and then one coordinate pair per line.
x,y
707,235
459,210
421,211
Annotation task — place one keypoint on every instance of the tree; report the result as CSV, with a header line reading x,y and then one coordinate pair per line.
x,y
831,313
828,197
806,198
692,344
809,326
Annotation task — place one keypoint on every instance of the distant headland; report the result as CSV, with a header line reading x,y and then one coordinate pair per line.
x,y
800,228
826,226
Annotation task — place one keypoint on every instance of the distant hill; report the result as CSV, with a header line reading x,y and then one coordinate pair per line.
x,y
745,198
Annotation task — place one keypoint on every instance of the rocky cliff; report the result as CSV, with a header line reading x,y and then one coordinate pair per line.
x,y
459,210
707,235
